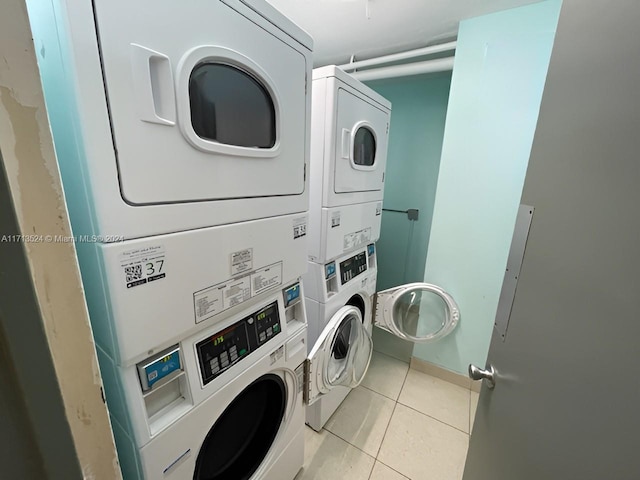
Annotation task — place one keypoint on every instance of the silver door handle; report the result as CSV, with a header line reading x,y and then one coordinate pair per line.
x,y
489,375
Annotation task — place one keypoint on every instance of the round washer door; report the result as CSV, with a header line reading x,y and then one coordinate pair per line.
x,y
241,437
341,355
418,312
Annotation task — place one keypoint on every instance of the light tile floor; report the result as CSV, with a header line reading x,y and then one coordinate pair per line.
x,y
398,424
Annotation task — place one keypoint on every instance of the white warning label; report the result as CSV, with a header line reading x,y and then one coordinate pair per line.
x,y
220,297
335,219
241,261
266,278
208,303
236,292
356,239
299,227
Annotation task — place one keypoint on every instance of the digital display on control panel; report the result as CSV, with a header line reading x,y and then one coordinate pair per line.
x,y
225,348
352,267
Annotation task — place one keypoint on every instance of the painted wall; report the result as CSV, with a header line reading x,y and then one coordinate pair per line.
x,y
44,315
499,74
419,108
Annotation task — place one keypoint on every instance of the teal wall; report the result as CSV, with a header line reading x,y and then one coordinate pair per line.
x,y
419,108
498,78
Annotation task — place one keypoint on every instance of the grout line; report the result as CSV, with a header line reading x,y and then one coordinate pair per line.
x,y
381,394
348,443
386,429
391,417
433,418
391,468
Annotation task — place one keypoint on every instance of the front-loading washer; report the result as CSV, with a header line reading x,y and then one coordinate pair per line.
x,y
170,116
224,403
417,312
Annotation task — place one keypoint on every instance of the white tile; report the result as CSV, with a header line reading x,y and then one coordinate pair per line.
x,y
475,396
386,375
420,447
327,457
437,398
362,419
382,472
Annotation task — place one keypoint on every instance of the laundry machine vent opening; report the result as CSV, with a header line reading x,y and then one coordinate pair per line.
x,y
240,439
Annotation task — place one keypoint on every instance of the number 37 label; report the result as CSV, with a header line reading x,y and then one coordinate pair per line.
x,y
143,265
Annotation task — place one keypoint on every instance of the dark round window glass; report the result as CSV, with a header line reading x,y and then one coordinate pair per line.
x,y
230,106
237,443
364,147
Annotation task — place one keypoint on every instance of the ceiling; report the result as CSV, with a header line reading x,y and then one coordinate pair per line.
x,y
369,28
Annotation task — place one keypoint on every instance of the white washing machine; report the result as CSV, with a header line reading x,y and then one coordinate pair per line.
x,y
349,139
229,402
154,302
224,403
417,312
173,116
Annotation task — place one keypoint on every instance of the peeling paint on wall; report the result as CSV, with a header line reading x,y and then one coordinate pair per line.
x,y
38,198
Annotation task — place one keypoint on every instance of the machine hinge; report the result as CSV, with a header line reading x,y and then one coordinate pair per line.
x,y
387,127
375,309
306,381
304,173
306,79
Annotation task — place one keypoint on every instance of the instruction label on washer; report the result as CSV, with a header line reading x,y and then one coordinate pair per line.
x,y
142,265
356,239
218,298
236,292
335,219
299,227
241,261
266,278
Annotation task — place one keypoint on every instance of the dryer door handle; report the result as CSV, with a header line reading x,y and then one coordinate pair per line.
x,y
346,143
153,83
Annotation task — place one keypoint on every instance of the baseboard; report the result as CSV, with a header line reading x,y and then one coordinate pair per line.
x,y
444,374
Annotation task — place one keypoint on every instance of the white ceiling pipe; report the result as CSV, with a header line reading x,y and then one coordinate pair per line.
x,y
429,66
443,47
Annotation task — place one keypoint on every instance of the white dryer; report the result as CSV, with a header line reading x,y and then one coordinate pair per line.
x,y
173,116
343,305
349,139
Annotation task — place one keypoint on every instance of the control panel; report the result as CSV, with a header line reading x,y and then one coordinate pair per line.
x,y
220,351
352,267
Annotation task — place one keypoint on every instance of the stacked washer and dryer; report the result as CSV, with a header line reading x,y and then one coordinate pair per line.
x,y
349,139
182,133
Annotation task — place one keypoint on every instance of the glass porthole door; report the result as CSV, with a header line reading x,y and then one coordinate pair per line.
x,y
341,355
361,132
418,312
